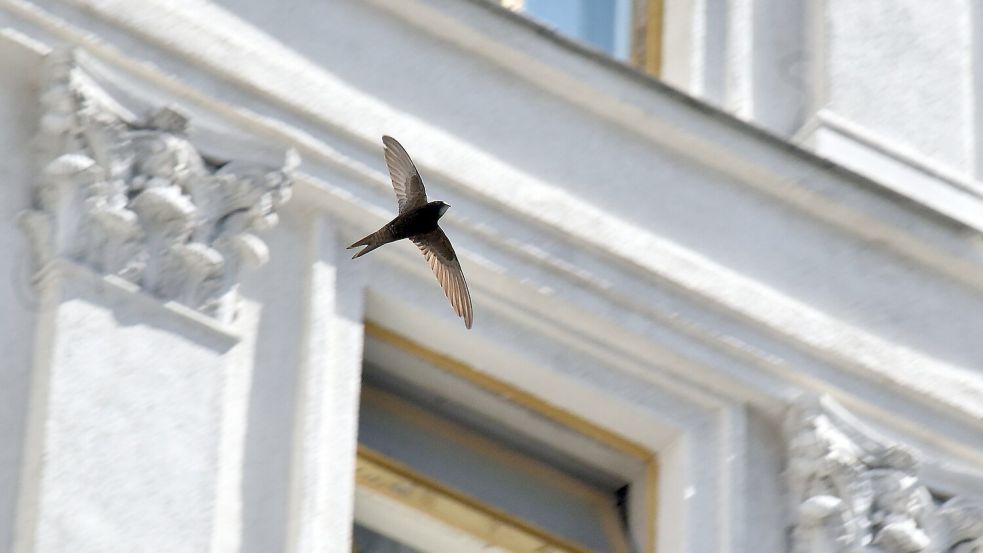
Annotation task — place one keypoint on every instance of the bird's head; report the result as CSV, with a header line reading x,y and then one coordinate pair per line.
x,y
441,208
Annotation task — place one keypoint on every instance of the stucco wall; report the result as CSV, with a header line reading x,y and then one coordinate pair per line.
x,y
130,405
903,70
679,272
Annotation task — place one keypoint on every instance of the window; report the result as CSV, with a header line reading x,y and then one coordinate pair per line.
x,y
628,30
450,459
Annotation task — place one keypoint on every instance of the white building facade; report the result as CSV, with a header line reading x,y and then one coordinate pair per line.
x,y
732,305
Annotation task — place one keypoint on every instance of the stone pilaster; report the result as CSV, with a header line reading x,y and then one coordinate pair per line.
x,y
139,241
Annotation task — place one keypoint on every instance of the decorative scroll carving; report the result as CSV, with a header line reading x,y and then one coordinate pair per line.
x,y
854,491
135,198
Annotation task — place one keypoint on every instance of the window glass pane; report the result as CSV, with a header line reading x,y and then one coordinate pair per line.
x,y
603,24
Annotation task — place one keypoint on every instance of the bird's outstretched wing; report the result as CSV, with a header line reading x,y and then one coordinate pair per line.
x,y
406,179
443,261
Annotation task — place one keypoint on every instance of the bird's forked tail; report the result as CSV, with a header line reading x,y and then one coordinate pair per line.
x,y
378,238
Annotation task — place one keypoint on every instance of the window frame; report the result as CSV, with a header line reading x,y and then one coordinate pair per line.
x,y
647,35
378,473
371,460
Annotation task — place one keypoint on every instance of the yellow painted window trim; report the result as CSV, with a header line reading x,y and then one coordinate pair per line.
x,y
376,472
646,47
529,401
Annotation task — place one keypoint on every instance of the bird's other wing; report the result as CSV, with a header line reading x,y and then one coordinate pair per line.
x,y
443,261
407,182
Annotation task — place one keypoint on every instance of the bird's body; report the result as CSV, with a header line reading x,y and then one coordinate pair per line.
x,y
413,223
417,221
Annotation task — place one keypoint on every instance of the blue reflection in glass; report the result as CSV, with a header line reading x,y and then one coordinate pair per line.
x,y
603,24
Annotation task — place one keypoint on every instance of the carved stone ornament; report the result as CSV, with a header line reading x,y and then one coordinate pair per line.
x,y
135,198
854,491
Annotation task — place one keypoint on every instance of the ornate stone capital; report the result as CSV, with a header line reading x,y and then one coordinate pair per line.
x,y
852,490
134,197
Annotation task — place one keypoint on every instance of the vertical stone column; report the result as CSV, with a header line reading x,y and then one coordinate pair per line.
x,y
326,425
138,243
19,70
976,88
748,57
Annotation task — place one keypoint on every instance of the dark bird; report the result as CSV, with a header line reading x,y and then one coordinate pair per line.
x,y
417,220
